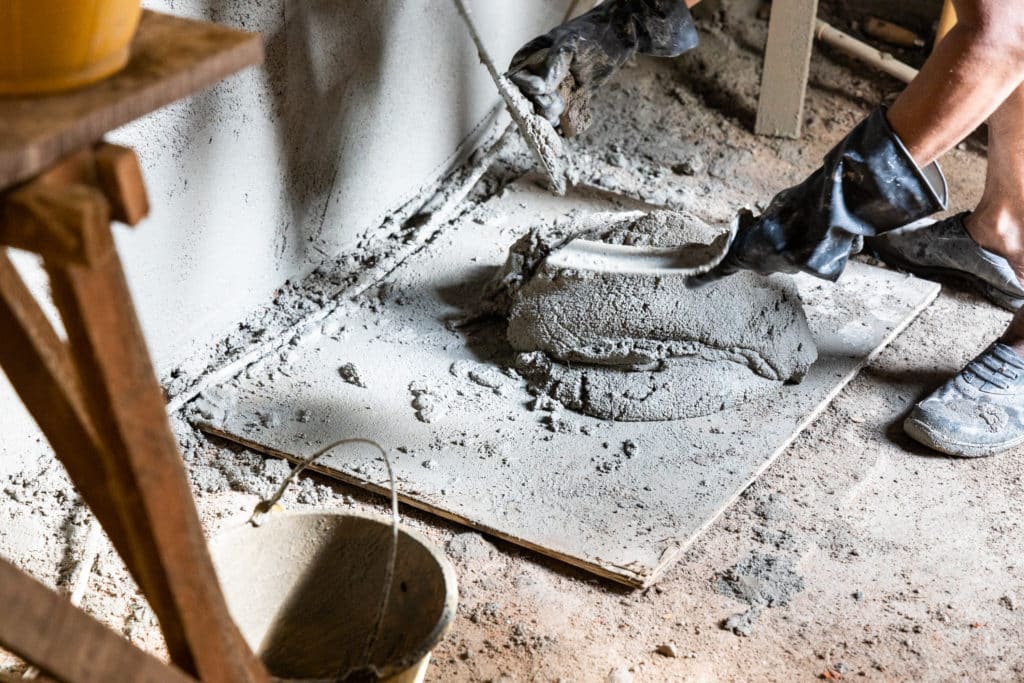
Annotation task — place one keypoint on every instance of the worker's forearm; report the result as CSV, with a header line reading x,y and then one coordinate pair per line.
x,y
965,80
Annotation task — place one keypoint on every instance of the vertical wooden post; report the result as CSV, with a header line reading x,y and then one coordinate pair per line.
x,y
947,20
787,61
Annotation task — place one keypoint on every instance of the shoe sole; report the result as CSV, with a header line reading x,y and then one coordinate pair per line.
x,y
968,281
920,433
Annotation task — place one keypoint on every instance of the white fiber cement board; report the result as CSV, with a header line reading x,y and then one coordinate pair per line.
x,y
560,484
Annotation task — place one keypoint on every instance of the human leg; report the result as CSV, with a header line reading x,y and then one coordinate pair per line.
x,y
980,411
972,71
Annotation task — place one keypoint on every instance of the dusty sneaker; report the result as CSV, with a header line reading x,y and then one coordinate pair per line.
x,y
977,413
943,250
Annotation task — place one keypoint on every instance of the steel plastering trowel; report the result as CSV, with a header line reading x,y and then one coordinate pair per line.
x,y
578,253
581,254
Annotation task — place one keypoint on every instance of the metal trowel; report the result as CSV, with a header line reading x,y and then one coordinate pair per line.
x,y
578,253
686,260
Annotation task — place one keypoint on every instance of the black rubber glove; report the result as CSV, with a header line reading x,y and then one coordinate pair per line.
x,y
868,184
594,45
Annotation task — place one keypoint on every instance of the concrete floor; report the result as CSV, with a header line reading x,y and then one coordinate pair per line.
x,y
910,563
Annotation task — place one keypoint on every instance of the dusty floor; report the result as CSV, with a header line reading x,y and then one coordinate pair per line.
x,y
911,564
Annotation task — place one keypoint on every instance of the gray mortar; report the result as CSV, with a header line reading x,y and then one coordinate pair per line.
x,y
760,581
638,347
350,373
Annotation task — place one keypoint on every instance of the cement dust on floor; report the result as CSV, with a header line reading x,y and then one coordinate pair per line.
x,y
910,563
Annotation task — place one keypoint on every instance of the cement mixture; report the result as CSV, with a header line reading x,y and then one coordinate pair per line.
x,y
643,347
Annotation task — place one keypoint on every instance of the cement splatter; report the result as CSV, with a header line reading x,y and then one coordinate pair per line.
x,y
350,373
761,581
429,405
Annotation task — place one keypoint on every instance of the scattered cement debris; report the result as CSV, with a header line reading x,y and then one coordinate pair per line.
x,y
761,581
619,675
487,376
429,406
469,547
350,374
668,650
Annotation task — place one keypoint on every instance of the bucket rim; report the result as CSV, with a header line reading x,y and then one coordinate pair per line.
x,y
451,594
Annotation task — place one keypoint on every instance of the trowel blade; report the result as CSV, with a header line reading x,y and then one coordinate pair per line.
x,y
685,260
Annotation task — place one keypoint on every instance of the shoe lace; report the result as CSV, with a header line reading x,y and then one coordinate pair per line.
x,y
998,366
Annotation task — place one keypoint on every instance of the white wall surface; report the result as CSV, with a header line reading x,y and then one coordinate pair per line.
x,y
360,105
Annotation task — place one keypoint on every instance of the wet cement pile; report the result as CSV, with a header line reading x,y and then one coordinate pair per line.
x,y
643,347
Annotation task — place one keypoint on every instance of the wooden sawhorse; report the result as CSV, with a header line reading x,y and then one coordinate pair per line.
x,y
95,396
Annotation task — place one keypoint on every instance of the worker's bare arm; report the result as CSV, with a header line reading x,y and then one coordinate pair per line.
x,y
968,76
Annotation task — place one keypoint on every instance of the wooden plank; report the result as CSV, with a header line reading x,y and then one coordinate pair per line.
x,y
787,62
171,58
46,630
145,471
119,176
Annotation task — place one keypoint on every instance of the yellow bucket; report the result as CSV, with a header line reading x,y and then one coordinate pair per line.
x,y
49,45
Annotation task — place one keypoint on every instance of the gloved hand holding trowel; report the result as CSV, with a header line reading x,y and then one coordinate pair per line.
x,y
881,177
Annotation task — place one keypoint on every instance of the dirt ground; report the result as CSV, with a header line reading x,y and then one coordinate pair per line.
x,y
909,565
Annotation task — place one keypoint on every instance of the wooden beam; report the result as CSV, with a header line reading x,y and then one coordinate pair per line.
x,y
147,478
49,632
119,176
38,365
787,59
61,222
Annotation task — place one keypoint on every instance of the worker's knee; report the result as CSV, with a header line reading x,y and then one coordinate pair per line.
x,y
994,25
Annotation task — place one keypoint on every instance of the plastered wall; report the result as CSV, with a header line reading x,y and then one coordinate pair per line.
x,y
361,104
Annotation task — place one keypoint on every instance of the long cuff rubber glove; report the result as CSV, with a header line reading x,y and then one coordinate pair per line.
x,y
594,45
868,184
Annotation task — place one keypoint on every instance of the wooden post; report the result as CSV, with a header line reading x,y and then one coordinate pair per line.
x,y
947,20
787,61
39,367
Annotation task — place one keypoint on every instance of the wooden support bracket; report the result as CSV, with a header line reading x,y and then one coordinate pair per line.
x,y
68,223
119,176
64,214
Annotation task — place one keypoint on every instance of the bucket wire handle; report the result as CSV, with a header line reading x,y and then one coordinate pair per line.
x,y
262,508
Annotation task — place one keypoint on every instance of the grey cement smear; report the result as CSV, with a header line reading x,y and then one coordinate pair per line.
x,y
515,465
642,347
